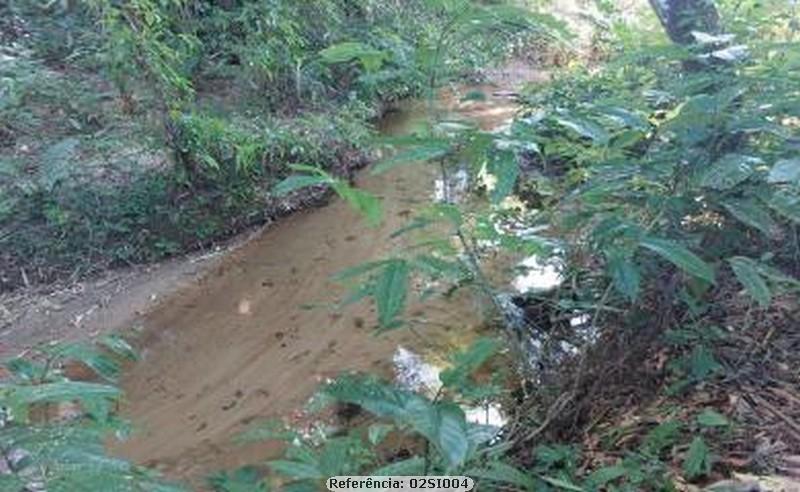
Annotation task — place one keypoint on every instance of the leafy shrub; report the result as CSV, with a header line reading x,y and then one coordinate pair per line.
x,y
53,427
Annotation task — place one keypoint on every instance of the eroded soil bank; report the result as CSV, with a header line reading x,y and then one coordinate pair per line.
x,y
253,338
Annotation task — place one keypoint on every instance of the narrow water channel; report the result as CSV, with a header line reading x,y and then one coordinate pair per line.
x,y
253,339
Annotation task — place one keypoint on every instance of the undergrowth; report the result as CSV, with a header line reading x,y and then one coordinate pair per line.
x,y
133,131
662,184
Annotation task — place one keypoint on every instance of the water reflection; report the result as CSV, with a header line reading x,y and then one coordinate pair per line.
x,y
414,373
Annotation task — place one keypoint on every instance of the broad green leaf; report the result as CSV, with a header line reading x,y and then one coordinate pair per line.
x,y
366,204
295,469
661,437
376,433
606,474
391,291
503,166
453,440
751,213
785,171
624,274
359,270
681,257
624,117
102,364
711,418
698,460
334,459
702,363
296,182
584,127
118,346
465,363
561,484
419,154
787,203
61,391
747,272
729,171
57,162
370,58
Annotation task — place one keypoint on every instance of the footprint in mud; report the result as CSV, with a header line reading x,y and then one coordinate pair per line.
x,y
300,355
233,402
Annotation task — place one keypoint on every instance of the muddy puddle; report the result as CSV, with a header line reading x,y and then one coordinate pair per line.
x,y
244,344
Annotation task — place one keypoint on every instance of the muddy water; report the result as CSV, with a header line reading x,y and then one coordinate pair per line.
x,y
243,344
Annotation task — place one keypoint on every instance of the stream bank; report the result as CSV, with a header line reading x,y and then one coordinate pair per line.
x,y
253,338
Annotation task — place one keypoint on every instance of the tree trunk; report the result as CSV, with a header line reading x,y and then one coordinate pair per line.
x,y
681,17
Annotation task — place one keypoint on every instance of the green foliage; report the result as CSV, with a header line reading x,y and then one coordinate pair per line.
x,y
698,460
53,430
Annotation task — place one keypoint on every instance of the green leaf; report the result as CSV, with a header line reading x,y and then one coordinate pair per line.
x,y
606,474
584,127
751,213
376,433
785,171
453,440
702,363
561,484
787,203
711,418
296,182
469,361
61,391
503,166
681,257
370,58
391,291
698,460
624,117
661,437
359,270
366,204
296,469
419,154
624,274
729,171
747,272
57,162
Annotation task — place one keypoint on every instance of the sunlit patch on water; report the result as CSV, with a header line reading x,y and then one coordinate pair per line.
x,y
454,189
414,373
490,414
539,275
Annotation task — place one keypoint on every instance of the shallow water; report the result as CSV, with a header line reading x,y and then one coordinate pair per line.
x,y
243,345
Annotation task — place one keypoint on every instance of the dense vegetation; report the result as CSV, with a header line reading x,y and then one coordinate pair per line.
x,y
663,182
192,110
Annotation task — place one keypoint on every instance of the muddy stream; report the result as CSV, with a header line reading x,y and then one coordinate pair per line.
x,y
242,345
